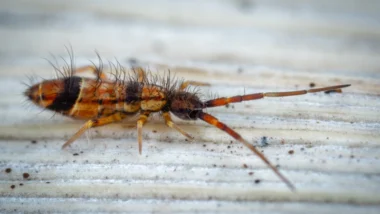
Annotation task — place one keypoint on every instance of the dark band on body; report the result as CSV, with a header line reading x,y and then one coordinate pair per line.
x,y
132,92
67,98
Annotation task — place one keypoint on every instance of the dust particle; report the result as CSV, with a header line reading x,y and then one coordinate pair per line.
x,y
264,141
8,170
250,173
312,85
257,181
290,152
13,186
33,141
245,166
25,175
132,61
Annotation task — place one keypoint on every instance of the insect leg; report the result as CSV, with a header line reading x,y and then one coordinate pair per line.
x,y
215,122
140,122
169,122
94,123
186,84
93,69
236,99
140,73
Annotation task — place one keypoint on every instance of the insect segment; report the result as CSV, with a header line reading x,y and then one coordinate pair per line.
x,y
102,101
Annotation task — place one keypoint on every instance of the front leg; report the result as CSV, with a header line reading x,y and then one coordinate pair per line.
x,y
186,84
169,122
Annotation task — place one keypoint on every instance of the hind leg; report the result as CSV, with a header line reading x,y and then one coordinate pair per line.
x,y
94,123
98,72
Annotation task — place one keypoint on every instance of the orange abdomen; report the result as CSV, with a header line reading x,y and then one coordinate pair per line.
x,y
85,98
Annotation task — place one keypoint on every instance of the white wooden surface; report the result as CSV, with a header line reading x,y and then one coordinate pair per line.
x,y
239,47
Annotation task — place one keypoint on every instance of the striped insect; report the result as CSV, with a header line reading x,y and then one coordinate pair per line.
x,y
102,101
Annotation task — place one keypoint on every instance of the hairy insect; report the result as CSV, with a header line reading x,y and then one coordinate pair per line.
x,y
102,101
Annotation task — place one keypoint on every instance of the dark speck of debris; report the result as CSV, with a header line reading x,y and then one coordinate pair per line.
x,y
352,156
264,141
132,61
214,165
312,85
48,182
21,184
240,70
290,152
25,175
204,145
33,141
8,170
228,147
245,166
257,181
334,91
13,186
75,154
250,173
154,131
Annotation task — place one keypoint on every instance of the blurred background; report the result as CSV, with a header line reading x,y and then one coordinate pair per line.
x,y
240,46
323,36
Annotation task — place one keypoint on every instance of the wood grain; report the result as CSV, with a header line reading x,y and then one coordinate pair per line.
x,y
326,144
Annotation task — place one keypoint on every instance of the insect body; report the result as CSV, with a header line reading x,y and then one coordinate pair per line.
x,y
102,101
